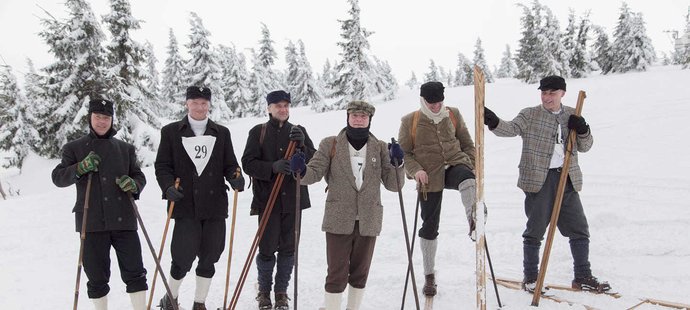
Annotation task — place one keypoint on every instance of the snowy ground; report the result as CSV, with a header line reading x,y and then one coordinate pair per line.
x,y
636,196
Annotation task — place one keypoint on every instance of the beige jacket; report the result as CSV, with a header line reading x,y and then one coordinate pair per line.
x,y
344,203
436,146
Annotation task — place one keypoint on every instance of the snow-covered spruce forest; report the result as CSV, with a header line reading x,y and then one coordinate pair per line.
x,y
97,58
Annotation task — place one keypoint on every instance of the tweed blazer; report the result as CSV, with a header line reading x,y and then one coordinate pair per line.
x,y
537,127
436,146
344,203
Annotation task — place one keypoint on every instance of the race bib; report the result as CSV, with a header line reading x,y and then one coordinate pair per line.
x,y
199,150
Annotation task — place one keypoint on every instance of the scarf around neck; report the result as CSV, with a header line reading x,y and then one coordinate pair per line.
x,y
435,117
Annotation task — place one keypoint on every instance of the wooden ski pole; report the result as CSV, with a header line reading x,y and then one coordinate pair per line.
x,y
414,235
160,251
260,231
479,92
298,226
82,237
410,267
570,142
153,251
238,174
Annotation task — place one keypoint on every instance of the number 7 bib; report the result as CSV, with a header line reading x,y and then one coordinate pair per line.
x,y
199,150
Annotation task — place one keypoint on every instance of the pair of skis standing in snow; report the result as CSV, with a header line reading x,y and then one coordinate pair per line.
x,y
432,115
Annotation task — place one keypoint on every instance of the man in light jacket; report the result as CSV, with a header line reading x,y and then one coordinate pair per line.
x,y
355,164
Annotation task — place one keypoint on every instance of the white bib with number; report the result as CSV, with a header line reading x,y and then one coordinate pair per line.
x,y
199,150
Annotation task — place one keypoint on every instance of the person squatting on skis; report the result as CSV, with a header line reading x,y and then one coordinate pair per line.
x,y
263,160
355,164
439,154
543,129
200,153
110,221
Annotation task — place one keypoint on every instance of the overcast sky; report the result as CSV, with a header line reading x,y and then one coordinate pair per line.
x,y
406,33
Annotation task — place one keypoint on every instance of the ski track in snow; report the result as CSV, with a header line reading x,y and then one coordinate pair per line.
x,y
636,196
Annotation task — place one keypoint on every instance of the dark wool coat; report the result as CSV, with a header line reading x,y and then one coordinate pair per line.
x,y
109,207
205,195
258,159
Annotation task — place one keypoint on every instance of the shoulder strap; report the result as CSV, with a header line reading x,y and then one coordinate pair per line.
x,y
335,140
452,117
413,129
263,134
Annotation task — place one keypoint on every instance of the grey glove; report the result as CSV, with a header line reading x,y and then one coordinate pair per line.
x,y
282,166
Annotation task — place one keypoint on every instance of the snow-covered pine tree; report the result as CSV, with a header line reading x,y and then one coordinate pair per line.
x,y
569,37
137,123
450,79
232,82
306,87
433,74
480,61
507,69
259,86
555,56
293,63
602,53
153,82
632,49
18,135
580,60
327,78
35,94
463,73
531,46
684,56
442,76
204,69
384,81
353,72
267,56
74,78
173,85
412,82
240,94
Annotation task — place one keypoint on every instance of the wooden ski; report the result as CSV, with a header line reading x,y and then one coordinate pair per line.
x,y
517,285
479,206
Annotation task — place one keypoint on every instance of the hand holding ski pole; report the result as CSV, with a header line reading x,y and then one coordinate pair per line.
x,y
396,153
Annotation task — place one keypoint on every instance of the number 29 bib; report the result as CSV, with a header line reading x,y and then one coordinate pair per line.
x,y
199,150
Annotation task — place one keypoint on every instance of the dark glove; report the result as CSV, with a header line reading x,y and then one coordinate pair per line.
x,y
127,184
298,163
282,166
296,134
88,164
490,119
174,194
578,124
396,153
237,183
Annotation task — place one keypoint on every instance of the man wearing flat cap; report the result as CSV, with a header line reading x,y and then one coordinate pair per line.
x,y
439,154
199,152
543,129
110,221
355,164
263,160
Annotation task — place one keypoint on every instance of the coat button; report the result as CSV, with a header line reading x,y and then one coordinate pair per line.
x,y
105,198
210,174
281,149
196,191
210,192
103,178
119,198
119,219
283,194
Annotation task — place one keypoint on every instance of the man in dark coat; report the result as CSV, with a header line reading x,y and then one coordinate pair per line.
x,y
110,221
263,160
200,153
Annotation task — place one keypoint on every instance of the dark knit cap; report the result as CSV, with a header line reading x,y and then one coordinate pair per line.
x,y
194,92
101,106
552,82
432,92
277,96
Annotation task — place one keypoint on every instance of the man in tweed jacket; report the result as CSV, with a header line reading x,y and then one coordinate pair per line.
x,y
355,164
544,129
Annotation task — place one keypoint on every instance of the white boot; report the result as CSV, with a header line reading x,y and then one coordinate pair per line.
x,y
175,286
202,287
333,301
354,297
100,303
138,300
